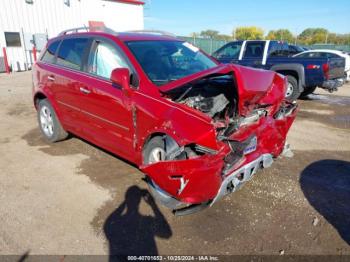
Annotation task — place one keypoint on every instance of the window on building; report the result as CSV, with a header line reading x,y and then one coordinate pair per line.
x,y
13,39
49,56
71,52
104,60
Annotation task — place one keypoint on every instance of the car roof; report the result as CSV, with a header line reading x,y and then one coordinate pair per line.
x,y
323,51
134,36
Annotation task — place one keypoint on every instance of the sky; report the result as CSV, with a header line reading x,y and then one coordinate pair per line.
x,y
183,17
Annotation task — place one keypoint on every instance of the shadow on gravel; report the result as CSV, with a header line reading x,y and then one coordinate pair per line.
x,y
131,233
326,185
23,257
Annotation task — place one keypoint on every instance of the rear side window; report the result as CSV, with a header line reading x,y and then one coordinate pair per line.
x,y
71,52
49,56
305,55
254,50
313,55
278,49
330,55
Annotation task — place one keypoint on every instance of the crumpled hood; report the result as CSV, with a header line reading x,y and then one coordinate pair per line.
x,y
254,86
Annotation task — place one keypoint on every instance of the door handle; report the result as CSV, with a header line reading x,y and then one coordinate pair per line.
x,y
84,90
51,78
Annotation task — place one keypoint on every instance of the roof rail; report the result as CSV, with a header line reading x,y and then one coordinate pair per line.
x,y
88,29
158,32
74,30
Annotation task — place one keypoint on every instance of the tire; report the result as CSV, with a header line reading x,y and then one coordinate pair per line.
x,y
49,124
292,92
307,91
153,149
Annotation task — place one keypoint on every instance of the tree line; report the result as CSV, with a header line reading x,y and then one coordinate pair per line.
x,y
309,36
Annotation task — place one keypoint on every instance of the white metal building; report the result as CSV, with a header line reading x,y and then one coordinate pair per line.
x,y
24,23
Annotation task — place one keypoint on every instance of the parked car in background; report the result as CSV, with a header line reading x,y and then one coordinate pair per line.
x,y
304,74
198,129
317,53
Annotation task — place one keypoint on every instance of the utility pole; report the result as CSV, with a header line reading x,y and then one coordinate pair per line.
x,y
296,36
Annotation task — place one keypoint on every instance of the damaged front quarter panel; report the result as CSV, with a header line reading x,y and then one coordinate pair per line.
x,y
249,121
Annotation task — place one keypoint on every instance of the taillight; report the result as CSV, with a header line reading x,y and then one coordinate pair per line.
x,y
325,68
312,67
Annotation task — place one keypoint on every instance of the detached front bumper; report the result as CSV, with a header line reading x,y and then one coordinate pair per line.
x,y
333,85
232,182
236,179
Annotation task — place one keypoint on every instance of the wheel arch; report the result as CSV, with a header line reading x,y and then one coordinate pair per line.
x,y
37,97
40,95
295,70
168,140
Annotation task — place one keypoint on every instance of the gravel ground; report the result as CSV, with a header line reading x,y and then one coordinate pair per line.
x,y
73,198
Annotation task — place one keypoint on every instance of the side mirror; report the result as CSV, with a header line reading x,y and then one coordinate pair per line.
x,y
121,77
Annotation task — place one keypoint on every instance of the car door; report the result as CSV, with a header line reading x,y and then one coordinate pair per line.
x,y
65,77
106,108
253,54
47,69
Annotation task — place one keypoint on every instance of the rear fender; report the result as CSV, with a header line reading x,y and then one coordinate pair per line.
x,y
49,96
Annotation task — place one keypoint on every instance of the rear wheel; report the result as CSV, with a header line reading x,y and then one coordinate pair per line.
x,y
49,124
292,92
307,91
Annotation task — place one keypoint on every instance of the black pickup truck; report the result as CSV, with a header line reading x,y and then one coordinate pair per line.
x,y
304,74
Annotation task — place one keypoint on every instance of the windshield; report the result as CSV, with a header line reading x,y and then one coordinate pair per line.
x,y
166,61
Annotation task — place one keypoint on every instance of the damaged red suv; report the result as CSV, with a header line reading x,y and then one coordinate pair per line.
x,y
197,129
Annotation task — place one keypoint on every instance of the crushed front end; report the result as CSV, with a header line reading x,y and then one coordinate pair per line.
x,y
250,120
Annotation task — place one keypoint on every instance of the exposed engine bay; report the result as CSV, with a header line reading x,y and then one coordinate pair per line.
x,y
213,96
217,97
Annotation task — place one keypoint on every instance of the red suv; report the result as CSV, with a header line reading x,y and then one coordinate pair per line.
x,y
198,129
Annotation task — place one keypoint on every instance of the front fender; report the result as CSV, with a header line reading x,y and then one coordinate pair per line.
x,y
159,116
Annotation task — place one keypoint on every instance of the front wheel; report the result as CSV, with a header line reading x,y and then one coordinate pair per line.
x,y
154,151
49,124
292,92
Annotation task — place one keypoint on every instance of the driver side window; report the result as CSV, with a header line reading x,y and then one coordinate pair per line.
x,y
104,59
